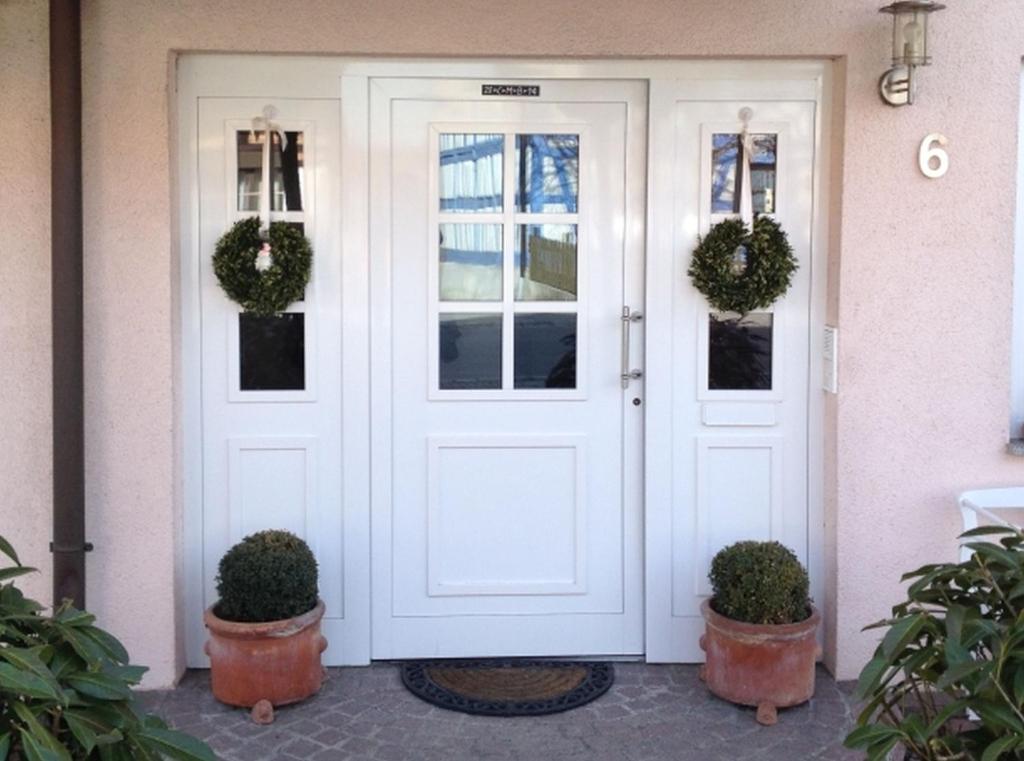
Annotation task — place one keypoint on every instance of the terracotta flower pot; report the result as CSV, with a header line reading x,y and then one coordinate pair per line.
x,y
276,661
767,666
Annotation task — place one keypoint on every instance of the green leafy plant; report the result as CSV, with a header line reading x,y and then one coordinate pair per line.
x,y
760,276
759,583
270,292
65,688
268,576
947,680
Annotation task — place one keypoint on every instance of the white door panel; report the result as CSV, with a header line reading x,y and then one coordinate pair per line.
x,y
510,523
727,448
271,387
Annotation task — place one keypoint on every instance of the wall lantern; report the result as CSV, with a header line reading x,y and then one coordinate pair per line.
x,y
909,48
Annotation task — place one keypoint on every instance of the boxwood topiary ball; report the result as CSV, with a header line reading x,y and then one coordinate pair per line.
x,y
268,576
759,583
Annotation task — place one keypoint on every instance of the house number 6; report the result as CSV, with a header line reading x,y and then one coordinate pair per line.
x,y
932,156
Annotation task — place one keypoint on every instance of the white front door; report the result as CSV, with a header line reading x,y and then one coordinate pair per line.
x,y
729,397
506,239
271,386
443,415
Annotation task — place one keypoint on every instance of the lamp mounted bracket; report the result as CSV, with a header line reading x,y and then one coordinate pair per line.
x,y
897,86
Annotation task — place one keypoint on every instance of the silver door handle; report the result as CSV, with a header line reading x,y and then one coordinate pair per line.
x,y
628,317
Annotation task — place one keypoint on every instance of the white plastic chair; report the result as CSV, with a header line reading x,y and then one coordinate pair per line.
x,y
983,502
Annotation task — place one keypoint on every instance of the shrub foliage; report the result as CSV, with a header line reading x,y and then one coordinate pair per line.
x,y
759,583
956,644
268,576
767,276
65,688
270,292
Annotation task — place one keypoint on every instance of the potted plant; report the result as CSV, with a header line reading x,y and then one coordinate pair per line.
x,y
947,679
265,641
760,628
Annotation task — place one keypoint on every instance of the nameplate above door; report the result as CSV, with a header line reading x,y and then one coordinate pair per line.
x,y
515,91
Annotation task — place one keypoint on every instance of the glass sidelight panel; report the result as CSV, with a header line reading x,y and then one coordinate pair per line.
x,y
471,172
470,351
272,352
740,352
548,173
545,263
470,262
727,177
545,351
286,170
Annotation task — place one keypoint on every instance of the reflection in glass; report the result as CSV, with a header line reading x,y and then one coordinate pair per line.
x,y
272,352
549,173
727,179
470,262
545,351
470,351
286,170
740,352
545,264
471,168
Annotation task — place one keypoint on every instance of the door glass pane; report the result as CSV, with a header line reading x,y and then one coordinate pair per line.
x,y
726,177
545,351
548,173
740,352
470,262
286,170
545,264
471,171
286,166
272,352
470,351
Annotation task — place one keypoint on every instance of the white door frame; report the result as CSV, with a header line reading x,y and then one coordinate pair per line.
x,y
227,77
209,75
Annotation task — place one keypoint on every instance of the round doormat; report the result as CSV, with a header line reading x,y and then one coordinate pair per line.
x,y
509,687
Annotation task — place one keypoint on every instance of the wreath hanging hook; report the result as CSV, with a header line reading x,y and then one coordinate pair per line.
x,y
265,124
741,255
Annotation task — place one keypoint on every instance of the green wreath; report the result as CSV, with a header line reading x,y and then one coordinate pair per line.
x,y
268,287
739,270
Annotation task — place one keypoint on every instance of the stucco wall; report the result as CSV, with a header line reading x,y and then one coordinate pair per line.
x,y
25,468
920,271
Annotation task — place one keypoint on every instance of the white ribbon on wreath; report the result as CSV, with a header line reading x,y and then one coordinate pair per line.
x,y
747,143
264,259
739,257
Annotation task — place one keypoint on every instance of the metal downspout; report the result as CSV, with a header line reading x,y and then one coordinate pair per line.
x,y
69,545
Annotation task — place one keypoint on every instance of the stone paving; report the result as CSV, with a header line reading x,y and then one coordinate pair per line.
x,y
651,713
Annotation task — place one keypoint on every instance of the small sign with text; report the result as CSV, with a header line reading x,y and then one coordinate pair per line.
x,y
515,91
